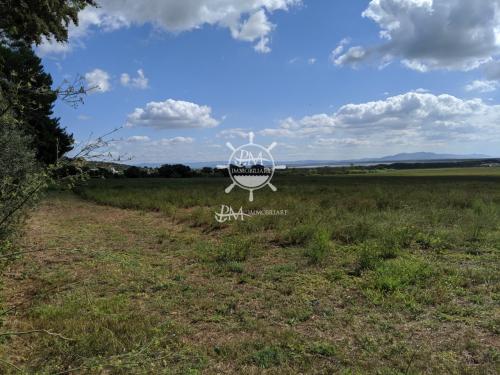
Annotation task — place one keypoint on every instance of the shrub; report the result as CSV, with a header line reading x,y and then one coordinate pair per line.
x,y
135,172
21,180
401,273
368,258
233,250
319,247
268,356
300,234
352,231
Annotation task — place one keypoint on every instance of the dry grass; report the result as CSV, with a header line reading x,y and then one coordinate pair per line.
x,y
139,292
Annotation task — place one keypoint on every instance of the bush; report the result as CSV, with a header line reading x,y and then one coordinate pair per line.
x,y
402,273
233,250
21,180
299,234
134,172
176,170
319,247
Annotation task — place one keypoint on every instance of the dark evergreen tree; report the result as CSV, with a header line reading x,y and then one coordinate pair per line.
x,y
32,20
30,99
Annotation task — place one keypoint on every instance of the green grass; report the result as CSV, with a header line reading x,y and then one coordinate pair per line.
x,y
475,171
365,274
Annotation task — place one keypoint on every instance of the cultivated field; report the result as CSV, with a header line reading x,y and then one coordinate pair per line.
x,y
365,274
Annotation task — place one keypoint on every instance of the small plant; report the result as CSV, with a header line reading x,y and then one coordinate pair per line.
x,y
233,250
319,247
323,349
355,231
399,274
235,267
268,356
429,241
368,258
300,234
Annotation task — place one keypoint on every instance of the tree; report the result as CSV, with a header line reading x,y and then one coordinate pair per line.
x,y
20,177
207,171
26,101
134,172
176,170
31,99
32,20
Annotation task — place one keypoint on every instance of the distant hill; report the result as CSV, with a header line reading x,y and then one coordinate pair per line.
x,y
413,156
402,157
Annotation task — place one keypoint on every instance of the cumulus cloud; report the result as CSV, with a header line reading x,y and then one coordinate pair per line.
x,y
138,138
482,86
233,133
432,34
139,82
492,70
338,50
145,140
99,79
89,20
413,117
247,20
256,27
142,148
172,114
340,142
173,141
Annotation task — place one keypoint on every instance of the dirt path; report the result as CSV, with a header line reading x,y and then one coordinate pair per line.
x,y
77,248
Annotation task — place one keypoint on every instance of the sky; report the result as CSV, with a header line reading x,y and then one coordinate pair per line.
x,y
326,80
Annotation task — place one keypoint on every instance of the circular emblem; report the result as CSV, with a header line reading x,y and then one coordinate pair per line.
x,y
251,166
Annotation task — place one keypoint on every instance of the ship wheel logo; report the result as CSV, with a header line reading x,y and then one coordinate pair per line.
x,y
251,166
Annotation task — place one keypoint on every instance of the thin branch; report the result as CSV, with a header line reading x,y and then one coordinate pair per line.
x,y
36,331
22,203
11,365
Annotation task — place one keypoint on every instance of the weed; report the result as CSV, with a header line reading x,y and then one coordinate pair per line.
x,y
233,250
319,247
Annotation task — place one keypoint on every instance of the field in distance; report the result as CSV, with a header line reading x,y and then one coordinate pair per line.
x,y
389,272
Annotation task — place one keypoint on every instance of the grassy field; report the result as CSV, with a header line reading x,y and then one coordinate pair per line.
x,y
478,171
365,274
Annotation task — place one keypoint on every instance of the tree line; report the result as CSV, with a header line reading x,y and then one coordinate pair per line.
x,y
173,171
32,139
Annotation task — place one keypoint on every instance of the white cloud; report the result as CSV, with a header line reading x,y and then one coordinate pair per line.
x,y
99,79
138,138
432,34
339,49
89,19
233,133
340,142
416,118
139,82
256,27
141,148
312,61
482,86
145,141
173,141
352,57
172,114
247,20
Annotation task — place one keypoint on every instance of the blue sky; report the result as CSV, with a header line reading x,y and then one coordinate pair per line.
x,y
324,79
